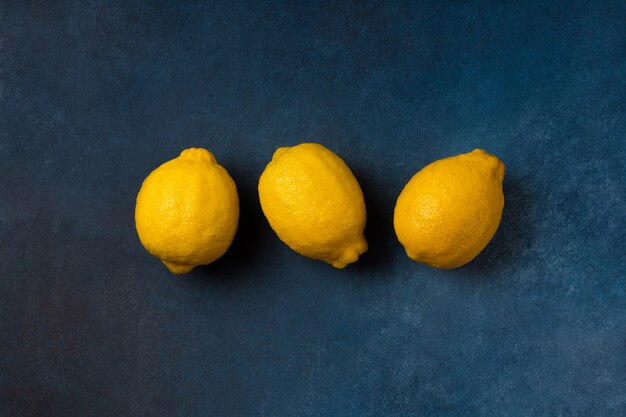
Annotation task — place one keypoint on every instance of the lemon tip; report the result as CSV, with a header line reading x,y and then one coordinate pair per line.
x,y
198,153
178,269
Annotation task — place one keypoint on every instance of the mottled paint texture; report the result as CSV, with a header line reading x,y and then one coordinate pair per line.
x,y
94,94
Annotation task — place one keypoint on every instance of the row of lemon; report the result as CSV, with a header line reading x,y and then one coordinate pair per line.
x,y
188,208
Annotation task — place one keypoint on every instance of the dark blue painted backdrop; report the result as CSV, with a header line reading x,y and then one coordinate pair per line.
x,y
95,94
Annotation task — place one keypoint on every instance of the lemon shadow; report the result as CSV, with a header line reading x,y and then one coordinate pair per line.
x,y
245,255
379,233
513,237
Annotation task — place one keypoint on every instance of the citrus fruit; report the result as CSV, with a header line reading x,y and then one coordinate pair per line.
x,y
448,212
187,211
314,204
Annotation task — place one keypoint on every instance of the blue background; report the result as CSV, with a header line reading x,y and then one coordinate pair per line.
x,y
96,94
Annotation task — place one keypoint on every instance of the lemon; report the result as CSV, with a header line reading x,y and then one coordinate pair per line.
x,y
448,212
187,211
314,204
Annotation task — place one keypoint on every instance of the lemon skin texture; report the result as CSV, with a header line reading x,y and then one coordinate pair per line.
x,y
448,212
187,211
314,204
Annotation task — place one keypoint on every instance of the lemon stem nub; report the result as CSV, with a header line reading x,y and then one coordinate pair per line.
x,y
178,269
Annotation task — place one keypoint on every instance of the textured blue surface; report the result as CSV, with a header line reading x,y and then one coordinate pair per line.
x,y
95,94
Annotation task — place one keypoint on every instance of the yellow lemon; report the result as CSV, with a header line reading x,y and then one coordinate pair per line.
x,y
448,212
187,211
314,204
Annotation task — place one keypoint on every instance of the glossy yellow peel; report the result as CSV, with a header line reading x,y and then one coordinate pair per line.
x,y
448,212
187,211
314,204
